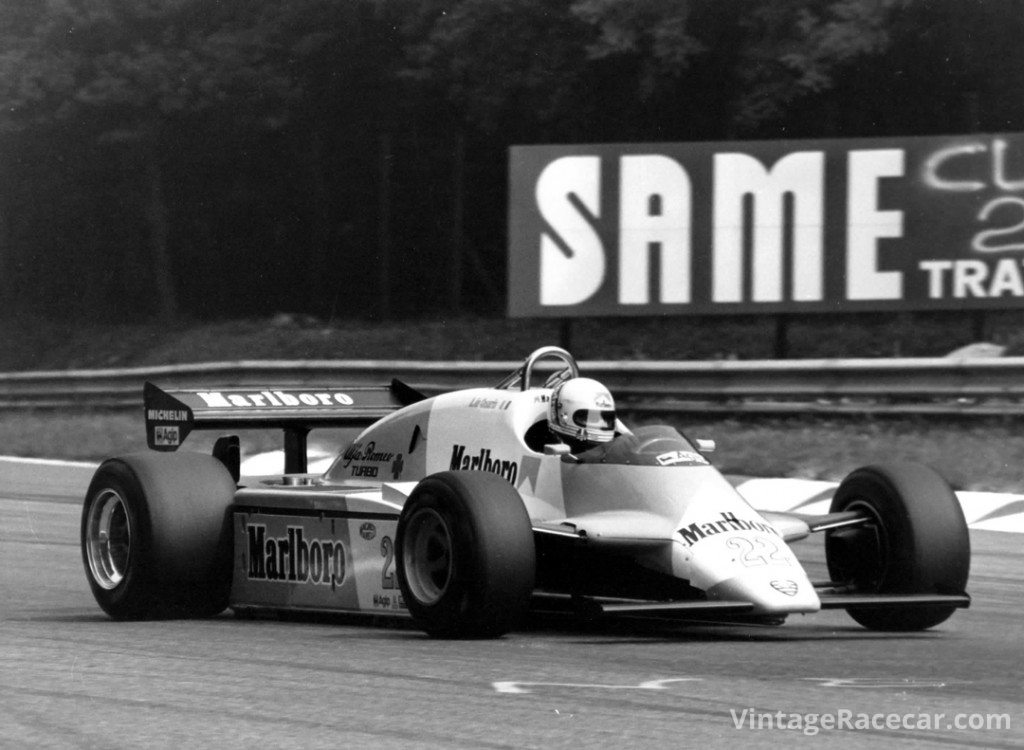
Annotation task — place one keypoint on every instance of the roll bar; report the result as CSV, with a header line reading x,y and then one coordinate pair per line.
x,y
523,375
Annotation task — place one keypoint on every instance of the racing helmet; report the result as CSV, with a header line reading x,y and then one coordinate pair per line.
x,y
582,409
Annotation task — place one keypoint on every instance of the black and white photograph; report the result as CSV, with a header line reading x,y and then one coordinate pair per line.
x,y
511,374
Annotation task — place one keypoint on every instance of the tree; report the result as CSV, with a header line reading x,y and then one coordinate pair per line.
x,y
511,65
587,61
141,76
129,74
289,146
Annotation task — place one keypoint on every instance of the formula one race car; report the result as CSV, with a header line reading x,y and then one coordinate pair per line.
x,y
463,510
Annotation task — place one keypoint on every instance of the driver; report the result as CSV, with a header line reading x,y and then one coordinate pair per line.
x,y
582,414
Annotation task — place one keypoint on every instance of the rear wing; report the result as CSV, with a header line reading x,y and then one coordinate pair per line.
x,y
171,415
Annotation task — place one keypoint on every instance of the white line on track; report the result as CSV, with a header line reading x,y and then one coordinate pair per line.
x,y
49,462
518,688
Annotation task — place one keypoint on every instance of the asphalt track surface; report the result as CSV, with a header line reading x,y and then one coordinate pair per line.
x,y
71,678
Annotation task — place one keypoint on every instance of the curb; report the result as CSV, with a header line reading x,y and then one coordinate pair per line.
x,y
985,511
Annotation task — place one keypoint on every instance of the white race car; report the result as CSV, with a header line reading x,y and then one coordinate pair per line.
x,y
462,510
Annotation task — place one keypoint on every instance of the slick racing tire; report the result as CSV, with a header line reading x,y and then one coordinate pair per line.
x,y
156,536
916,543
465,554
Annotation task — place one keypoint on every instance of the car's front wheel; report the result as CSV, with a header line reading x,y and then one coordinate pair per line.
x,y
465,555
916,542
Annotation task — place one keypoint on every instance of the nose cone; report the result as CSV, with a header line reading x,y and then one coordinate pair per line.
x,y
783,591
738,556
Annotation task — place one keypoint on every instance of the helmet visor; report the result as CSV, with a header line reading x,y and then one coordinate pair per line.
x,y
593,419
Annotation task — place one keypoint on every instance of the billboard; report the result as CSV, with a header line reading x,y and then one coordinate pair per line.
x,y
769,226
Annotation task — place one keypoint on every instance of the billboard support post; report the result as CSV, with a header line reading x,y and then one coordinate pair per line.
x,y
979,326
565,334
781,336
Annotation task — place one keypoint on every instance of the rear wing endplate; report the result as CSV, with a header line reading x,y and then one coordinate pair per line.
x,y
171,415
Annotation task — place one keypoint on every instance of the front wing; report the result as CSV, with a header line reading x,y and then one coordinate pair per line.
x,y
723,609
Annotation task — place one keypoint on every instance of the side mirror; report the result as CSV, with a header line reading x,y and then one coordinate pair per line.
x,y
705,446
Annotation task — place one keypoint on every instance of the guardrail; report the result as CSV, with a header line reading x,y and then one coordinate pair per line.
x,y
899,386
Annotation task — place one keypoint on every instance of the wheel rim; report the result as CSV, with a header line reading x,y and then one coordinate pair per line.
x,y
427,556
868,572
108,536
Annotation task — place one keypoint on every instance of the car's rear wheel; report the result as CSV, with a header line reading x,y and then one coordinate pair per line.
x,y
916,542
156,536
465,553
